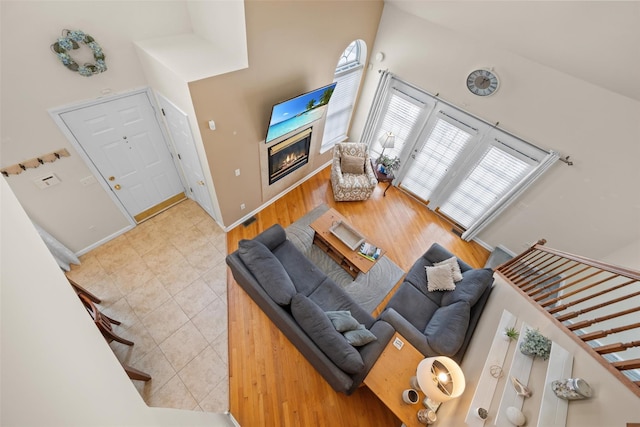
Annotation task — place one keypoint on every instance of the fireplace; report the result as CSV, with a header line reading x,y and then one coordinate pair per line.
x,y
289,155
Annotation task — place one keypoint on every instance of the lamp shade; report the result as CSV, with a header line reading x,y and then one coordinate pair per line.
x,y
387,140
440,378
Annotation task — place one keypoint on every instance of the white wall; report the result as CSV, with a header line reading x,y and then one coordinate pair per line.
x,y
33,80
591,208
57,369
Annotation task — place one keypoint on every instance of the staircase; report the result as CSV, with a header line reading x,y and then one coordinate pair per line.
x,y
595,303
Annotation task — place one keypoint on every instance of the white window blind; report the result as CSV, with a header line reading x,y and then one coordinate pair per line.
x,y
431,163
492,176
340,106
400,115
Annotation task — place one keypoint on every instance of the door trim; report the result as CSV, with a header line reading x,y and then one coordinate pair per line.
x,y
55,114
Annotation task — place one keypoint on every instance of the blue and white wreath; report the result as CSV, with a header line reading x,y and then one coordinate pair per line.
x,y
71,40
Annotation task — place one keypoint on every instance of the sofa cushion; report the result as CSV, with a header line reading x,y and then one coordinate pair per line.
x,y
342,320
455,267
305,275
470,288
352,164
317,325
267,270
359,336
440,278
446,330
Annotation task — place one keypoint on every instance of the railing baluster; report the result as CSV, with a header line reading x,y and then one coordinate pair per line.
x,y
537,271
597,294
595,307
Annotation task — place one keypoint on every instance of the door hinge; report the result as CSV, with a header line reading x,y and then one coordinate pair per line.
x,y
162,109
179,156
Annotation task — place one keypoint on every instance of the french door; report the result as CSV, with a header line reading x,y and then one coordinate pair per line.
x,y
457,164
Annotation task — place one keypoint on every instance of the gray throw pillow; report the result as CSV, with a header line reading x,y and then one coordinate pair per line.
x,y
447,327
470,288
359,336
317,325
267,270
342,320
352,164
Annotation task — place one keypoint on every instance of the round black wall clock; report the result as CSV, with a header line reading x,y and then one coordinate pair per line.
x,y
482,82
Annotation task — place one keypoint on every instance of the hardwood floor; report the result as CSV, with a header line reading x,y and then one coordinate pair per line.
x,y
270,383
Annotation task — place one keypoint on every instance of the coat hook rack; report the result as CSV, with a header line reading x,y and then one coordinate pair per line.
x,y
18,168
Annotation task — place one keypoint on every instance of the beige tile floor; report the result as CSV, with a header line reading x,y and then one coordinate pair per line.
x,y
165,280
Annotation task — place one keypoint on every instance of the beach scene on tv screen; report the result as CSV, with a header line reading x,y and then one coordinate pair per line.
x,y
299,111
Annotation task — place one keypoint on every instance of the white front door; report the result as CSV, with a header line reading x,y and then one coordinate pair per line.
x,y
180,131
123,139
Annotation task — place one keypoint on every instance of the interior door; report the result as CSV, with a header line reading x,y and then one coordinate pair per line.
x,y
180,131
123,139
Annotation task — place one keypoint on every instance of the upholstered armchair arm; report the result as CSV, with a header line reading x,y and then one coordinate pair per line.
x,y
336,169
368,170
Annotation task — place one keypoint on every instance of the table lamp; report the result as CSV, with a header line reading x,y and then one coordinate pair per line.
x,y
387,140
440,379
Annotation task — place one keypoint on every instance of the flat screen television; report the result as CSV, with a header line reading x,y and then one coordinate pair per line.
x,y
298,112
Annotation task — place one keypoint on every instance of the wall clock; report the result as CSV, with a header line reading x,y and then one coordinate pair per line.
x,y
482,82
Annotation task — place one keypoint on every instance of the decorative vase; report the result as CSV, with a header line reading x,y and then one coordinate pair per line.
x,y
427,416
572,389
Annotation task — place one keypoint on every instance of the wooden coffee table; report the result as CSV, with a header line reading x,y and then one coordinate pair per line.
x,y
391,375
347,258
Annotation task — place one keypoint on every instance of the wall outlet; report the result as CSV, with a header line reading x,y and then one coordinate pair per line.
x,y
88,180
242,206
237,172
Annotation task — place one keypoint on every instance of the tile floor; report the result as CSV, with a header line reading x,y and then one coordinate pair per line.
x,y
165,280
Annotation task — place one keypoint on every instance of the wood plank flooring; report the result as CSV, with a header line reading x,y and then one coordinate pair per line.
x,y
270,383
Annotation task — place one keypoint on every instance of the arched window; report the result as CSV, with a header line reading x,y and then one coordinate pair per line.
x,y
348,75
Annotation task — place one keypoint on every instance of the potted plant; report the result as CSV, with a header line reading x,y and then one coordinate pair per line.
x,y
388,164
535,344
511,333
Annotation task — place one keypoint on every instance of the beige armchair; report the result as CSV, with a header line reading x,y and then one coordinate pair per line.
x,y
352,177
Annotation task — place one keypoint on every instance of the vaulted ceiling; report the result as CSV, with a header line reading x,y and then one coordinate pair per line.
x,y
596,41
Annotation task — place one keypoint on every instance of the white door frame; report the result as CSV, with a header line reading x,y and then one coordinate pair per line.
x,y
56,112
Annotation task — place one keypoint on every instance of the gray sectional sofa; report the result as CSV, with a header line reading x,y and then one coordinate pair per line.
x,y
263,267
441,322
296,296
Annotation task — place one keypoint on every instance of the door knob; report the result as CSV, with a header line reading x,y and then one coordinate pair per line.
x,y
117,186
111,178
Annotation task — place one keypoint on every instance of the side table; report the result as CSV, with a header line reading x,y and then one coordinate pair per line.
x,y
391,375
383,177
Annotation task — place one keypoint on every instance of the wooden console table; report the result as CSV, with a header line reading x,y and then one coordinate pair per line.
x,y
347,258
391,375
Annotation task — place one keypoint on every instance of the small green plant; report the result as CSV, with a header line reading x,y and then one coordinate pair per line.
x,y
512,333
391,163
535,344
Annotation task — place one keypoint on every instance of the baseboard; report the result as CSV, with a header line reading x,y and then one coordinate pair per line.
x,y
103,241
276,197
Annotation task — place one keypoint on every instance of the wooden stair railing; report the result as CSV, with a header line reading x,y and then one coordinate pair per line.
x,y
593,302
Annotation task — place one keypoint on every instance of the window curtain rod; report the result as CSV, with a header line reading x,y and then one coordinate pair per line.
x,y
388,75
